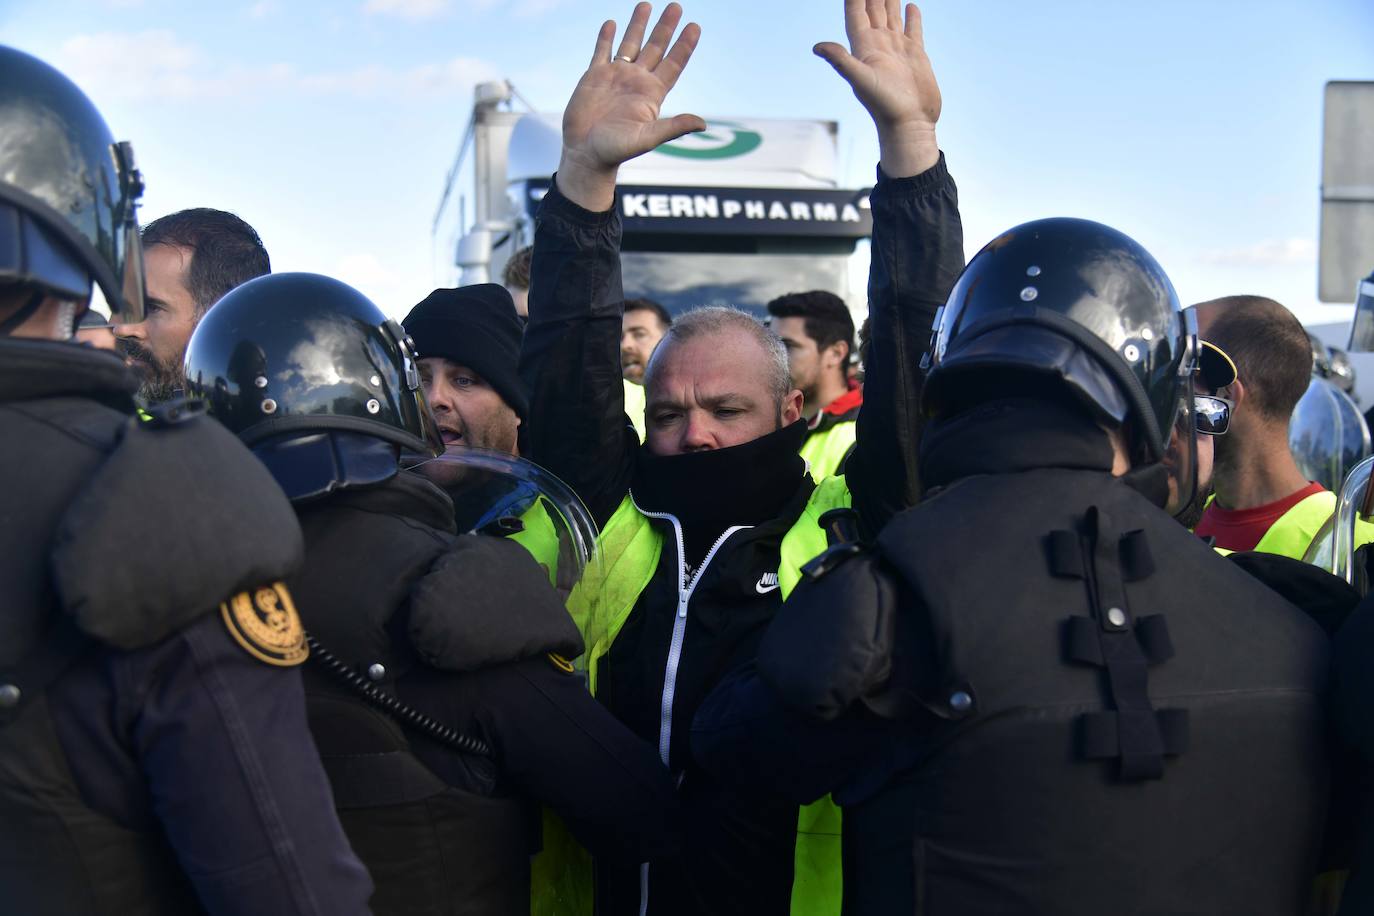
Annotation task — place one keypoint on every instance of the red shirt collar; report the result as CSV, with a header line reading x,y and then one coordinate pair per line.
x,y
846,402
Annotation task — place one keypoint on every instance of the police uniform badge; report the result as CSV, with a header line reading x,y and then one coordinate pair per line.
x,y
264,621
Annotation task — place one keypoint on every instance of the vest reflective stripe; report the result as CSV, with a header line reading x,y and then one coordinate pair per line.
x,y
634,406
629,549
825,450
818,882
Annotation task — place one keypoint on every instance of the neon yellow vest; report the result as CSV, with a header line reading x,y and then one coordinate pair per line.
x,y
540,538
1293,532
629,549
818,872
824,451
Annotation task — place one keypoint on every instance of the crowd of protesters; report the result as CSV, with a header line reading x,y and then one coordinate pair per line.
x,y
1009,605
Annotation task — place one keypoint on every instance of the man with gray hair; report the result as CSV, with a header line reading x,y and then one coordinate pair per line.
x,y
705,527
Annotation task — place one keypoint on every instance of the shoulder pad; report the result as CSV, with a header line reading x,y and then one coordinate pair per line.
x,y
178,516
832,642
265,623
486,601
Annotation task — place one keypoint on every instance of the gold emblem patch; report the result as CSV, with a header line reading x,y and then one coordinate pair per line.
x,y
561,663
265,622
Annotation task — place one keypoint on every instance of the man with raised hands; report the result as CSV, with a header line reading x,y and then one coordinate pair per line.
x,y
705,526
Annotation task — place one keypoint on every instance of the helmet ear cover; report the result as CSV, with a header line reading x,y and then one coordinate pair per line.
x,y
312,465
33,255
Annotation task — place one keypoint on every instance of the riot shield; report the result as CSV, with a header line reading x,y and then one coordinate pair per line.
x,y
1327,434
500,495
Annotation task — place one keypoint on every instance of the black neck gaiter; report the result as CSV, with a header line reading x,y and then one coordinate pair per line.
x,y
712,490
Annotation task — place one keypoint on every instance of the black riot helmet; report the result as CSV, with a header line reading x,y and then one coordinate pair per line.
x,y
68,193
1077,304
295,358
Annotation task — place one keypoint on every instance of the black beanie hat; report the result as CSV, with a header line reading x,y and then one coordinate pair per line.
x,y
477,327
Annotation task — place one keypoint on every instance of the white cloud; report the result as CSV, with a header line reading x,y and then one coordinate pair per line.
x,y
1262,254
530,8
157,65
423,10
154,63
456,75
408,9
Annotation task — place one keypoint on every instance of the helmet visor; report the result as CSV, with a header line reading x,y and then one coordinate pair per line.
x,y
127,302
1188,461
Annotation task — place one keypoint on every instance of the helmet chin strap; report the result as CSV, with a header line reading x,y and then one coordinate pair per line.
x,y
23,313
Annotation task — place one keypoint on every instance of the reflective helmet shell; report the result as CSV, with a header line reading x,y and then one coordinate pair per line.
x,y
1327,434
1078,302
68,191
299,352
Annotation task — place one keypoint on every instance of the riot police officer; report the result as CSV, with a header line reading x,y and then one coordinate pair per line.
x,y
446,703
154,755
1035,692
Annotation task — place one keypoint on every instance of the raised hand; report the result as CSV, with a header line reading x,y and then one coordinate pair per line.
x,y
613,115
887,67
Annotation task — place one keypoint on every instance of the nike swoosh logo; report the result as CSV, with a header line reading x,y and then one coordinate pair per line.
x,y
768,582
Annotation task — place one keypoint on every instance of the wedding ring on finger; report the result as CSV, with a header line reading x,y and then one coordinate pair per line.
x,y
624,57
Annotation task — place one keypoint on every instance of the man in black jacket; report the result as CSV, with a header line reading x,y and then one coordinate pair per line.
x,y
427,639
704,528
154,755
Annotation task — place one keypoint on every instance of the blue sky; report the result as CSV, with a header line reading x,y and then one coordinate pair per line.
x,y
1193,126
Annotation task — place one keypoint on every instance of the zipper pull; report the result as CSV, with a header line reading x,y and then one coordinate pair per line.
x,y
682,608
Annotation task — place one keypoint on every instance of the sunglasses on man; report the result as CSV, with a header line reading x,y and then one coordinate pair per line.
x,y
1211,414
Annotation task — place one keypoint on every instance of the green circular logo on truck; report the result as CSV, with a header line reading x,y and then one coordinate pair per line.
x,y
720,140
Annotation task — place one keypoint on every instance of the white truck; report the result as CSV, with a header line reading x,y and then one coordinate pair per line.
x,y
744,212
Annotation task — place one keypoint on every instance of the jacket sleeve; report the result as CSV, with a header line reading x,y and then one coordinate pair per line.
x,y
833,701
746,737
555,744
917,253
570,358
235,778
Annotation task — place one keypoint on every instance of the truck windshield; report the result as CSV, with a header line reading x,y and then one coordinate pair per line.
x,y
681,280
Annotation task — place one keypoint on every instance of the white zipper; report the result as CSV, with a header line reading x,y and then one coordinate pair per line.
x,y
685,587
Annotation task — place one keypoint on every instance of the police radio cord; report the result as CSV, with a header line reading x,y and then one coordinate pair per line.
x,y
388,704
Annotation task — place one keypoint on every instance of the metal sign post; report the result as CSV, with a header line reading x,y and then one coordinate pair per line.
x,y
1347,214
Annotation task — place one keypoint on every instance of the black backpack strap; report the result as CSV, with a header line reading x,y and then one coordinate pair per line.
x,y
1132,732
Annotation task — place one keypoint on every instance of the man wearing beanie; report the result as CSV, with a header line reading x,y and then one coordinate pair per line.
x,y
469,344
